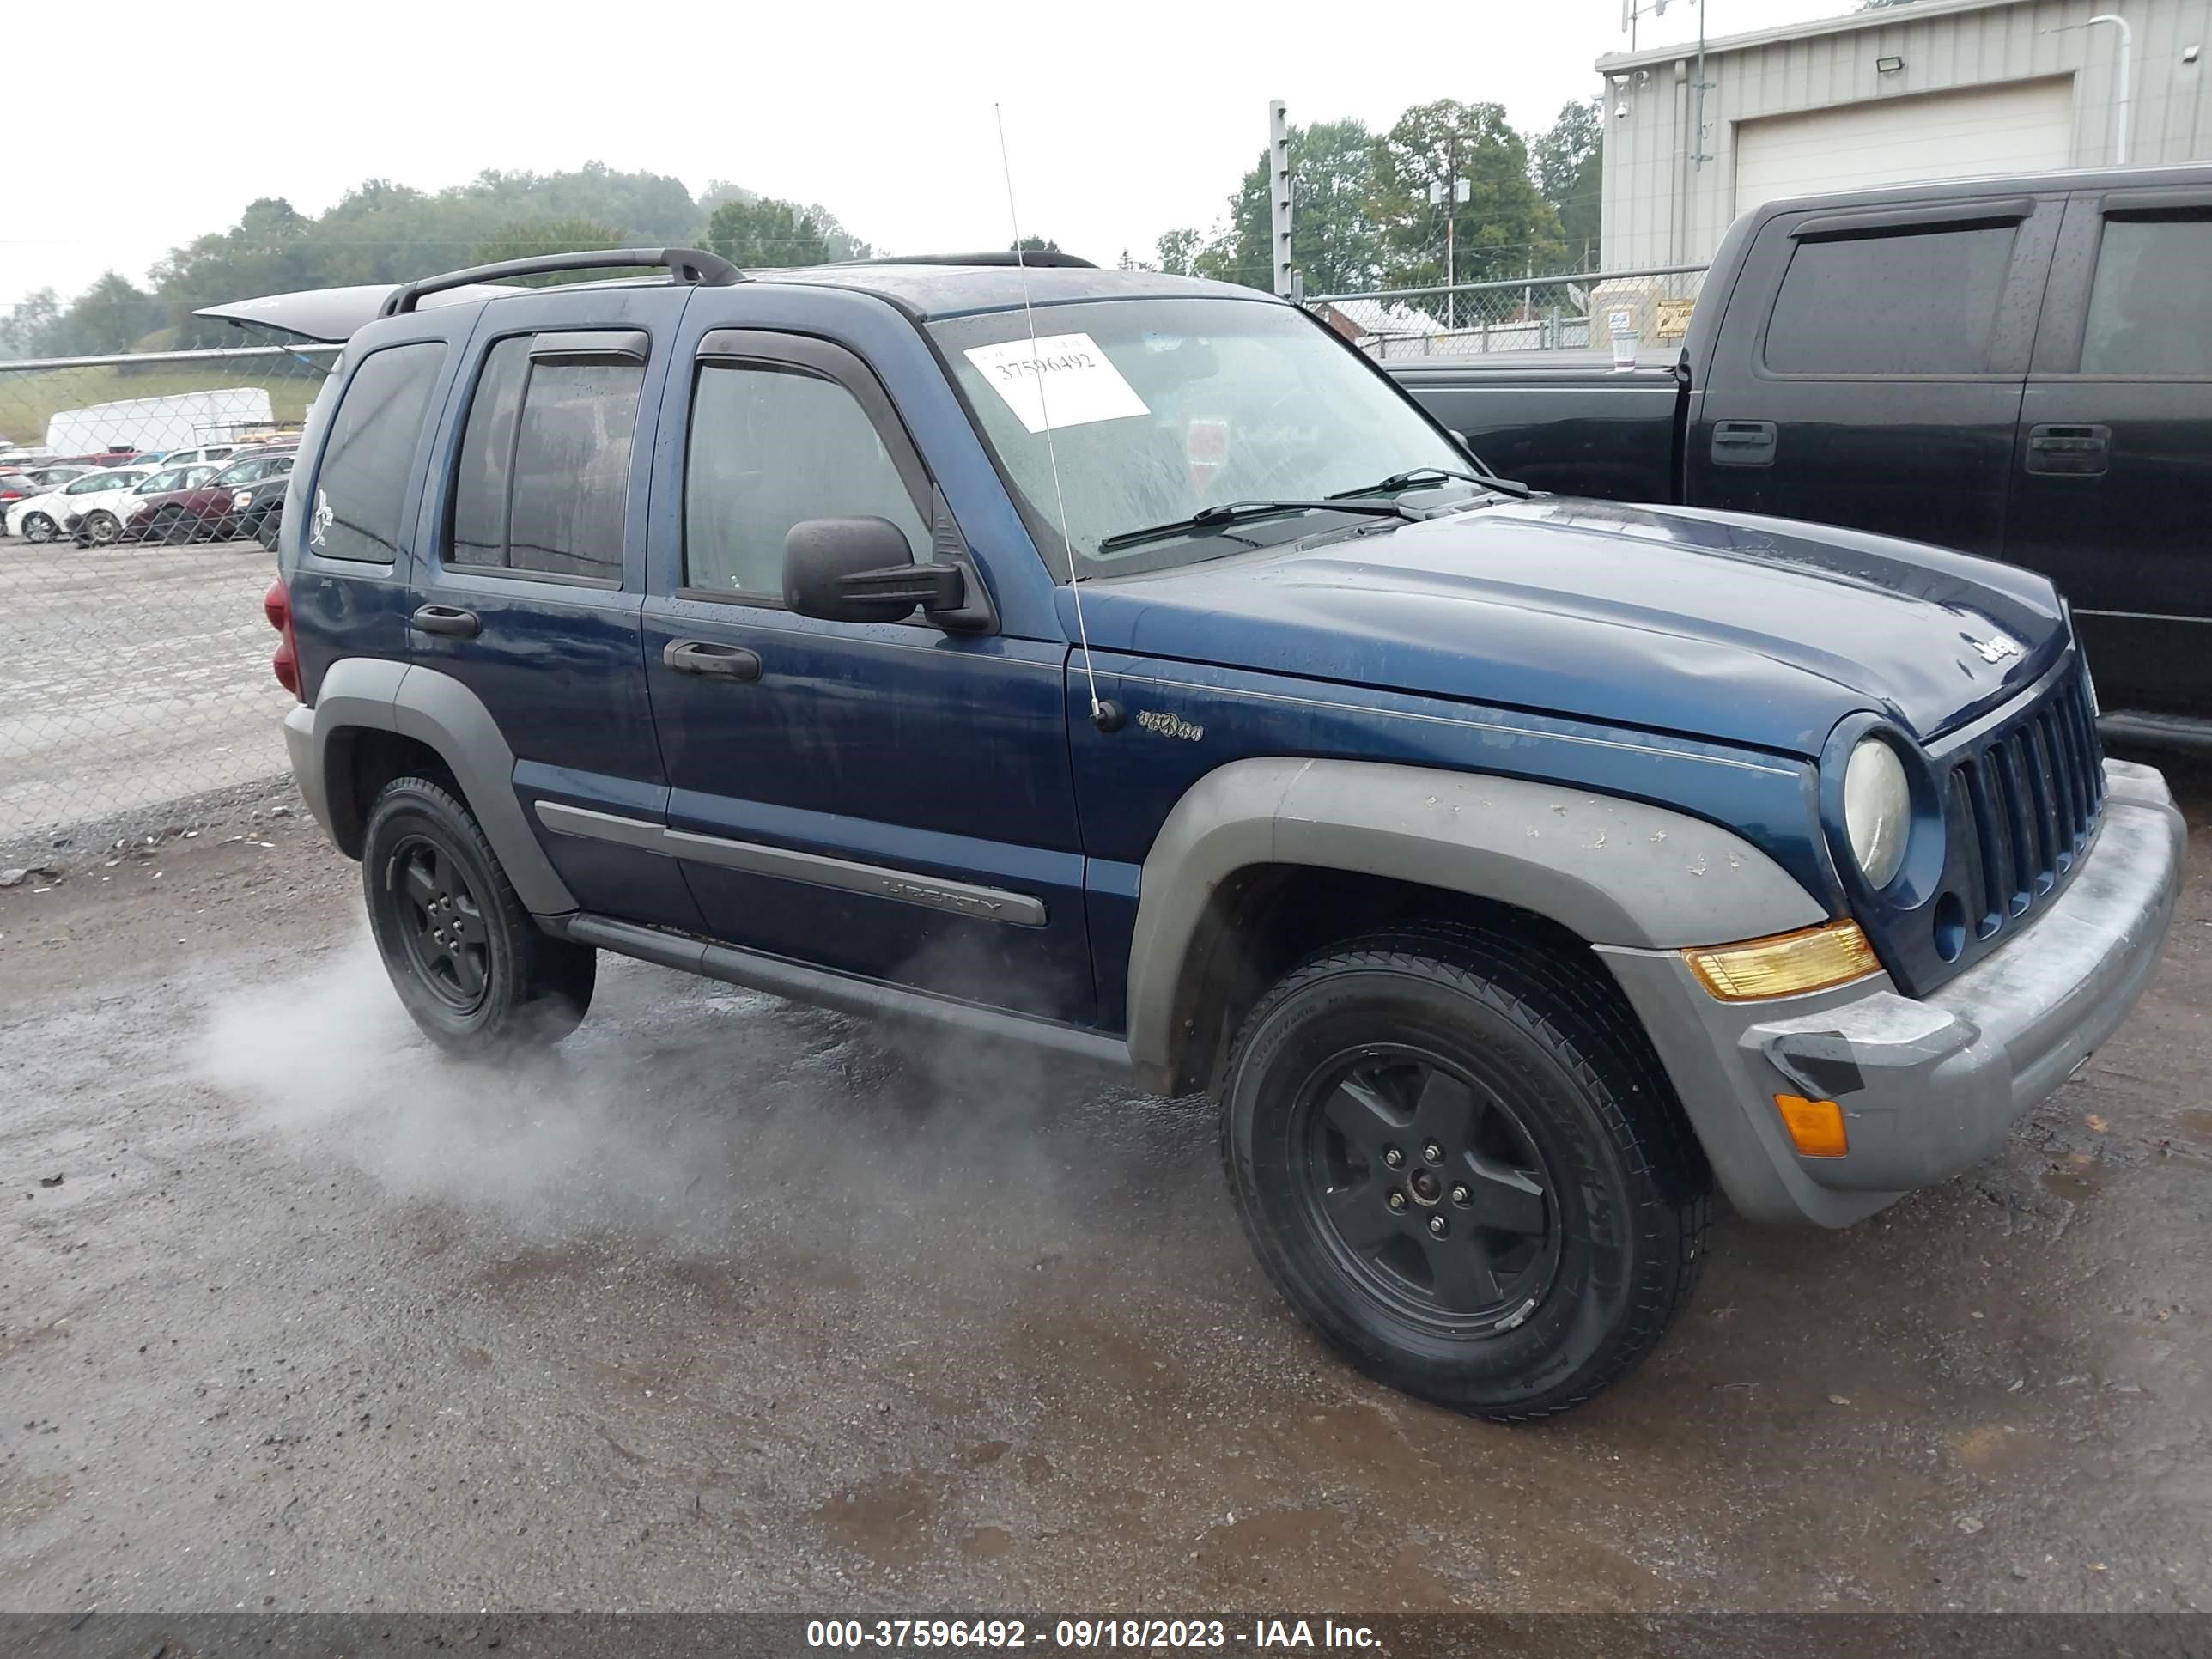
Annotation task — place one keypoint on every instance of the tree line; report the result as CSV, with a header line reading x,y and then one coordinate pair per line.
x,y
383,232
1363,217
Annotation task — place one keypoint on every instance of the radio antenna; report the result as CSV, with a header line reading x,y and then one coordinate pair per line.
x,y
1104,715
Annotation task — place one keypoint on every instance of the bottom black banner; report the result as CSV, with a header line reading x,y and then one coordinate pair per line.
x,y
714,1636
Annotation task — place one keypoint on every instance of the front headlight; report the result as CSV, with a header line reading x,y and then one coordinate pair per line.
x,y
1877,810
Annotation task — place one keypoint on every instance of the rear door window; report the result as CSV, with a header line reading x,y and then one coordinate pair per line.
x,y
361,488
1924,302
543,486
2147,309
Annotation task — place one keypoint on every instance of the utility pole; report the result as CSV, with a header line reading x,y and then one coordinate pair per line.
x,y
1448,193
1279,198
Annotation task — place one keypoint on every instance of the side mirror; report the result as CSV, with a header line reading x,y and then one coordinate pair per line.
x,y
862,570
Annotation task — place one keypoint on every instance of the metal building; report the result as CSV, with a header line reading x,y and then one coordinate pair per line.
x,y
1934,89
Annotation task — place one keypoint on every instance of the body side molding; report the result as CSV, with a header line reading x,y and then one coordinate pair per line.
x,y
961,898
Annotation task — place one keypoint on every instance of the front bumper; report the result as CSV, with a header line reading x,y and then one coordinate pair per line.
x,y
1932,1087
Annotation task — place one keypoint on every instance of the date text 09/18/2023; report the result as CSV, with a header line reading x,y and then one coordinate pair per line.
x,y
1084,1634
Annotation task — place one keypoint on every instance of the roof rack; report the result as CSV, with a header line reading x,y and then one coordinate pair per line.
x,y
683,265
1050,260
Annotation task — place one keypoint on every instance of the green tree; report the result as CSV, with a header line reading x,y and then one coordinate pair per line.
x,y
526,239
1569,162
1176,252
112,315
1503,228
1034,245
1335,242
766,232
25,329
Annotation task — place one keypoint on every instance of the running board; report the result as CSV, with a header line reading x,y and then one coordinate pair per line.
x,y
779,977
2190,733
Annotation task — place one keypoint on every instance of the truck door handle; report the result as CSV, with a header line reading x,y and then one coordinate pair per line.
x,y
1743,443
729,662
446,620
2075,451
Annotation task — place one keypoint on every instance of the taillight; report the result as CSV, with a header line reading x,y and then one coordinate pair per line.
x,y
276,606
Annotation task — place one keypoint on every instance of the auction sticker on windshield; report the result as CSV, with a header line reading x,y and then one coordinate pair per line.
x,y
1063,380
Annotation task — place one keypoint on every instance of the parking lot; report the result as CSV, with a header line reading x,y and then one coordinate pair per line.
x,y
135,674
733,1304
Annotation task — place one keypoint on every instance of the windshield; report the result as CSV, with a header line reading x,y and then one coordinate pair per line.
x,y
1160,409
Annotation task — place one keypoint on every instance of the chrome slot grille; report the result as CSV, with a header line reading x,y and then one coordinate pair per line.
x,y
2028,798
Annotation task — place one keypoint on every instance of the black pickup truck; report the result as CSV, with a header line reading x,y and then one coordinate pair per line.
x,y
2018,367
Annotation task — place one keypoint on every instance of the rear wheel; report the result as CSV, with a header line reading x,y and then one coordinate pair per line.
x,y
1458,1159
100,528
37,527
474,969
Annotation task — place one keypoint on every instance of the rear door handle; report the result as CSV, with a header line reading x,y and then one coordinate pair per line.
x,y
729,662
1743,443
446,620
2076,452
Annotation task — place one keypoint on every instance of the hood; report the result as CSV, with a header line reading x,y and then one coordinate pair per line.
x,y
1755,631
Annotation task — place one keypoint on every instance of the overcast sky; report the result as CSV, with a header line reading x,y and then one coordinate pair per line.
x,y
1124,119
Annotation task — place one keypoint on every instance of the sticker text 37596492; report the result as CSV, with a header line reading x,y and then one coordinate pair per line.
x,y
1063,380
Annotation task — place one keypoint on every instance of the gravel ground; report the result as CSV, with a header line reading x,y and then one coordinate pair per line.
x,y
133,675
732,1305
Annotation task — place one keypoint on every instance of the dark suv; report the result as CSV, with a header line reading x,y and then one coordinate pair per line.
x,y
1120,663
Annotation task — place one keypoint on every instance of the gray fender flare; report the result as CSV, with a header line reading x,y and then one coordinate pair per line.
x,y
438,710
1610,870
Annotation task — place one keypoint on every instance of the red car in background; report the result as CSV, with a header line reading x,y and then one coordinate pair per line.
x,y
233,503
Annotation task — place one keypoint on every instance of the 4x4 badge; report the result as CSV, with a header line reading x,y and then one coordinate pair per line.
x,y
1996,648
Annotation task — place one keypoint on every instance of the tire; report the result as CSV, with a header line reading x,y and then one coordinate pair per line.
x,y
472,967
1492,1071
169,528
100,529
37,527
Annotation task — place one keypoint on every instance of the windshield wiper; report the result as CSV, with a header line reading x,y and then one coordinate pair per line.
x,y
1422,475
1229,513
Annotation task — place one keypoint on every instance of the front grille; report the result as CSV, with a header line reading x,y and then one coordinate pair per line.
x,y
2027,799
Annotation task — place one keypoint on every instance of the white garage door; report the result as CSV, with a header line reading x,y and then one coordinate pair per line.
x,y
2023,128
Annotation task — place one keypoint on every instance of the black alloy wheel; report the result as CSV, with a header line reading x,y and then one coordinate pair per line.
x,y
1428,1188
442,922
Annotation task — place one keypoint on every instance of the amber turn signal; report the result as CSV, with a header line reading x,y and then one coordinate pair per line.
x,y
1816,1127
1811,959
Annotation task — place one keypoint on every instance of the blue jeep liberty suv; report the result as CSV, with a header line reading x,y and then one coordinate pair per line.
x,y
1120,663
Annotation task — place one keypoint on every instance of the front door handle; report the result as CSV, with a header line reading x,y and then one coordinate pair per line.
x,y
446,620
1743,443
2075,452
729,662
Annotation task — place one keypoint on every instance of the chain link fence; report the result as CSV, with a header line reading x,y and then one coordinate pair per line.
x,y
1573,313
142,493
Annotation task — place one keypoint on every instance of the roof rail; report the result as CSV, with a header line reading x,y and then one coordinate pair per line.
x,y
683,265
1049,260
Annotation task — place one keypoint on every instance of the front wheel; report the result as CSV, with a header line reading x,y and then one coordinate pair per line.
x,y
472,967
1458,1159
100,529
37,527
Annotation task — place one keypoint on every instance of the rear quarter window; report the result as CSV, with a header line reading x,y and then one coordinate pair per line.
x,y
361,486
